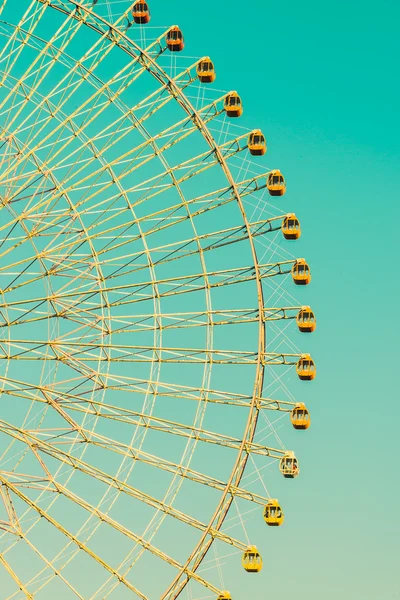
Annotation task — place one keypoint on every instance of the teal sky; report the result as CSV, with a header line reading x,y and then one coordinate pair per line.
x,y
321,82
320,79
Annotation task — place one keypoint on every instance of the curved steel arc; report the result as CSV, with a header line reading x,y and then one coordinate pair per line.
x,y
225,502
86,16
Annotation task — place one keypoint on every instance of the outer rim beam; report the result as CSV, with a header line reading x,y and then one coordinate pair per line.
x,y
241,461
37,444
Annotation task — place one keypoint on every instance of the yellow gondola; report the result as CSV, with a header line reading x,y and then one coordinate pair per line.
x,y
141,12
205,70
273,514
306,369
276,183
289,466
300,417
252,561
233,105
301,272
257,143
291,227
306,321
224,596
174,39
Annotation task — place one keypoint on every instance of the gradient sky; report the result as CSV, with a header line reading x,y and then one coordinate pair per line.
x,y
322,81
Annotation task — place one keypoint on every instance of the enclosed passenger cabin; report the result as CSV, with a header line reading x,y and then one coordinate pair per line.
x,y
205,70
252,561
273,514
141,12
306,321
233,105
174,39
224,596
306,369
276,183
300,417
301,272
257,143
291,227
289,466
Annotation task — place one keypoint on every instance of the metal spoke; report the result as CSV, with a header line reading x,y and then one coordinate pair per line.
x,y
123,227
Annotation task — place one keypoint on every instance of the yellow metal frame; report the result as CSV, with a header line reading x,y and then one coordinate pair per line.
x,y
81,353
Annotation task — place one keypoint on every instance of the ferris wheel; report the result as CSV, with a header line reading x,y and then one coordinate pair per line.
x,y
146,314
